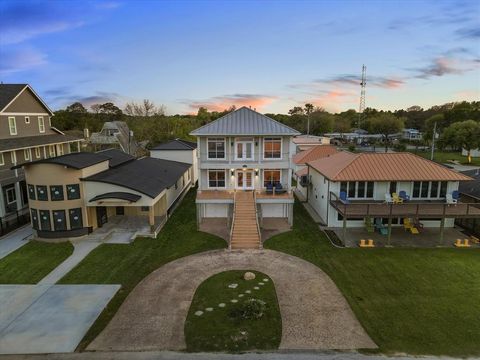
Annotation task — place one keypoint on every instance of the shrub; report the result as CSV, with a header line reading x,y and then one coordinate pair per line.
x,y
250,309
351,148
399,147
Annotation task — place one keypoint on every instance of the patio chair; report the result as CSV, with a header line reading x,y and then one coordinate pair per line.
x,y
451,200
466,243
279,189
363,243
343,197
397,199
455,195
370,243
269,188
407,224
458,243
388,199
382,229
403,195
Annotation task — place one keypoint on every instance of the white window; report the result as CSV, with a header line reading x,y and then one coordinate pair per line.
x,y
37,152
429,189
60,149
216,178
244,149
12,125
2,160
272,148
216,148
27,119
11,195
358,189
41,124
26,154
51,150
13,157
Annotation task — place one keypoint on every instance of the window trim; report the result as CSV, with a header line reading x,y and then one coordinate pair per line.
x,y
263,175
80,218
356,197
68,188
52,189
27,119
244,142
275,139
65,228
33,221
217,139
10,118
60,150
41,124
38,153
2,159
49,219
38,187
27,154
31,195
13,157
429,189
217,171
50,148
10,189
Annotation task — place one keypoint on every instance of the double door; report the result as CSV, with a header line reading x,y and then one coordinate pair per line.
x,y
244,180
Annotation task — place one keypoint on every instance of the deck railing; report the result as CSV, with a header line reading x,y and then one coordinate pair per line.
x,y
256,219
233,222
413,208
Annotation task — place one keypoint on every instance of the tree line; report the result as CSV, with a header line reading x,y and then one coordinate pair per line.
x,y
457,124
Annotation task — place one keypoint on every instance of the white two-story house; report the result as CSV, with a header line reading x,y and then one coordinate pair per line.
x,y
244,152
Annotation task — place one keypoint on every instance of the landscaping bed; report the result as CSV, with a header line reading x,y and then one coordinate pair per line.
x,y
33,261
416,301
223,316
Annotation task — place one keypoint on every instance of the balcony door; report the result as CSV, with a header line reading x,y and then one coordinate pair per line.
x,y
244,149
244,180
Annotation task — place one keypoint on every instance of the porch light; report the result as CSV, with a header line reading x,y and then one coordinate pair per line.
x,y
256,172
244,167
232,172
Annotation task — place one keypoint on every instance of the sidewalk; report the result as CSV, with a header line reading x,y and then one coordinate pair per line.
x,y
14,240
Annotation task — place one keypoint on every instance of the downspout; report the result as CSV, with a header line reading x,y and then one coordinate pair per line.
x,y
328,201
308,177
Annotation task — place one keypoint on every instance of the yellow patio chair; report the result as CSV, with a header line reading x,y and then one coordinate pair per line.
x,y
363,243
458,243
466,243
407,224
370,243
414,230
396,199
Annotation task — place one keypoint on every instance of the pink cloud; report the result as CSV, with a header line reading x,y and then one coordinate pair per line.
x,y
221,103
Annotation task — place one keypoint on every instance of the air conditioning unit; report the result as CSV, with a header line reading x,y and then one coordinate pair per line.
x,y
304,180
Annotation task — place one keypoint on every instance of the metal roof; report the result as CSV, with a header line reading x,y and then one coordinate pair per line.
x,y
148,176
244,121
345,166
177,144
314,153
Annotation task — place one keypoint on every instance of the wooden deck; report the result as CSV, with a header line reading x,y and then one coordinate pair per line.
x,y
409,209
229,195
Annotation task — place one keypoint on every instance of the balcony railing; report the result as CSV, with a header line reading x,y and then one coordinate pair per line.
x,y
230,158
414,208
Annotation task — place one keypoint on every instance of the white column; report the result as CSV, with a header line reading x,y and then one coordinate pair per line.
x,y
2,202
18,193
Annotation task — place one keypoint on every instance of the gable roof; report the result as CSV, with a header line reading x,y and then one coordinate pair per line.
x,y
148,176
345,166
177,144
471,188
314,153
9,92
244,121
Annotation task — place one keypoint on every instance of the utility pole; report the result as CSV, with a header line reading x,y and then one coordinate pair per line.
x,y
363,85
433,139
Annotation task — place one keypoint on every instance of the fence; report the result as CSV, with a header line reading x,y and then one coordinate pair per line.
x,y
13,221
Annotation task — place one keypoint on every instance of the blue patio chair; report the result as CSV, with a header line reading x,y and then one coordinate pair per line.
x,y
403,195
269,188
382,229
344,198
455,195
279,189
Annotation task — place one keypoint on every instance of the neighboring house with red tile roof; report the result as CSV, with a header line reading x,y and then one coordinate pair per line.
x,y
365,179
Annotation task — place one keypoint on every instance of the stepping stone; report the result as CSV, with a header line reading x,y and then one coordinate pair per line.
x,y
209,309
265,280
248,291
222,305
261,283
234,300
233,286
241,295
256,287
199,313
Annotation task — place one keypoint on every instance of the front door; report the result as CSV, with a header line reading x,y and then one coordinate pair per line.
x,y
245,179
101,216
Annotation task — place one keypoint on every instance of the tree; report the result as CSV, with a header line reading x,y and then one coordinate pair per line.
x,y
463,135
110,109
321,122
297,110
95,108
76,108
145,108
386,124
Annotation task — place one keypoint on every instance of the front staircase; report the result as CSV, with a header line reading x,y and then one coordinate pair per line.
x,y
245,233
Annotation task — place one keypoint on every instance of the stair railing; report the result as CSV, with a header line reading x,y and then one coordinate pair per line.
x,y
256,220
233,220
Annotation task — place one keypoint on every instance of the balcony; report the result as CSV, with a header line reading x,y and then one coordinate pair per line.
x,y
434,209
227,196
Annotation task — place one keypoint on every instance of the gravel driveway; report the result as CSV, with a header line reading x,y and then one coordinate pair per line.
x,y
315,315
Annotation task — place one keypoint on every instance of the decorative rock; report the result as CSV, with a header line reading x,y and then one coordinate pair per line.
x,y
233,286
248,291
265,280
199,313
241,295
256,287
209,309
234,300
261,283
249,276
222,305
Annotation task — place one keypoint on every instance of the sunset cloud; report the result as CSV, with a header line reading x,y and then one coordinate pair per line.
x,y
442,66
221,103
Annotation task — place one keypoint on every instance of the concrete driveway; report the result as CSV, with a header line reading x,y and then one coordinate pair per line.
x,y
314,313
48,319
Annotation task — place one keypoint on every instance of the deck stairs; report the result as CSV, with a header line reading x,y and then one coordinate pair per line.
x,y
245,232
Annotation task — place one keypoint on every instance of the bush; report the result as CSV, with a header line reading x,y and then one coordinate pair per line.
x,y
250,309
351,148
399,147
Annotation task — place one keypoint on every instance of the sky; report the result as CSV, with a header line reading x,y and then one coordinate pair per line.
x,y
270,55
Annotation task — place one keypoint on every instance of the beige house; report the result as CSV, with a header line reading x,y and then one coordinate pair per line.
x,y
74,194
26,135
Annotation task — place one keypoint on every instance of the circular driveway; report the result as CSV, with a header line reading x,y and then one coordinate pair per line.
x,y
315,315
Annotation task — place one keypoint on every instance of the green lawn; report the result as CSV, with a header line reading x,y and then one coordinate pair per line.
x,y
416,301
445,156
220,329
128,264
32,262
